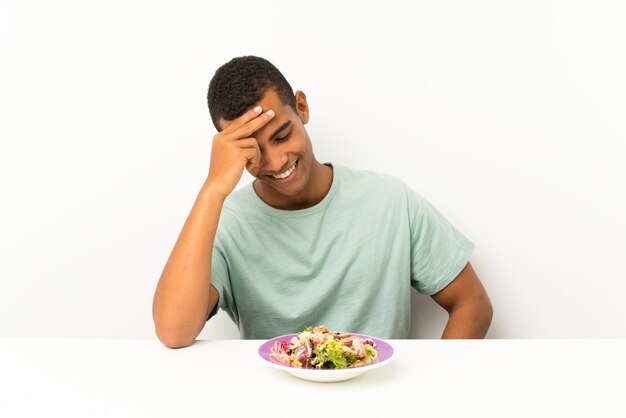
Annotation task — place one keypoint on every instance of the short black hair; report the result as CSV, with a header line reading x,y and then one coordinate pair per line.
x,y
242,82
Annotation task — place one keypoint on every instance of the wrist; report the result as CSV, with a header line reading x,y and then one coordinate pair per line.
x,y
209,188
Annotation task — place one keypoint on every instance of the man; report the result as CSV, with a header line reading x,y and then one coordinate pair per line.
x,y
306,243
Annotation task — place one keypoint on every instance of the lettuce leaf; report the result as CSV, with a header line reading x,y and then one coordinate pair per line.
x,y
330,355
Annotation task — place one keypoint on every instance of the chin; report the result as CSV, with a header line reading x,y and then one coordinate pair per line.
x,y
289,192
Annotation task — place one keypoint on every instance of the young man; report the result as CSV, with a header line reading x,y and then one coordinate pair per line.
x,y
306,243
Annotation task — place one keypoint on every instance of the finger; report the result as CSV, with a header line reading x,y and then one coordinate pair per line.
x,y
247,143
243,119
251,143
251,156
255,163
253,125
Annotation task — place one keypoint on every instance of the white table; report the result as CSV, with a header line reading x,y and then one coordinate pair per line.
x,y
427,378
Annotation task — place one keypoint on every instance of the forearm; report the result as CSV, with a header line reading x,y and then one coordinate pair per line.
x,y
470,321
182,294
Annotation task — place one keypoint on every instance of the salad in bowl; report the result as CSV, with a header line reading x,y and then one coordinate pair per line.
x,y
319,355
321,349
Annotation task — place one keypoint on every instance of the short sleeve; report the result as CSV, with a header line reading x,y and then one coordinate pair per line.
x,y
221,279
438,250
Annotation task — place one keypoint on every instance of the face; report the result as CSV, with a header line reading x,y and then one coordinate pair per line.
x,y
284,144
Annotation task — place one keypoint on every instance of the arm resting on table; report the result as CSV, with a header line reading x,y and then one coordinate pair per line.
x,y
468,305
184,296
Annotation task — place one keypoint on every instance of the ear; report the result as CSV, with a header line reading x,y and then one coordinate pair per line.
x,y
302,106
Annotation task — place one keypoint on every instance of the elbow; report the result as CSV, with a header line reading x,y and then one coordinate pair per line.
x,y
174,335
174,332
486,314
174,339
479,314
486,309
489,317
177,343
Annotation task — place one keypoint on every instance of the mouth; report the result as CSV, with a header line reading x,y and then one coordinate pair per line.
x,y
288,175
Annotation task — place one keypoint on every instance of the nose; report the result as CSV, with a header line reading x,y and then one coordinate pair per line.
x,y
274,160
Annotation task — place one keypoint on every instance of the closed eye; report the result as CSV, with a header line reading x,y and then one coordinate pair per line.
x,y
284,138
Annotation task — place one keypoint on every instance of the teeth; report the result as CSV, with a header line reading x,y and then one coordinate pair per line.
x,y
286,173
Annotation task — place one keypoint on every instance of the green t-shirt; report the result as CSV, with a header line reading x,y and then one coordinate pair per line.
x,y
347,263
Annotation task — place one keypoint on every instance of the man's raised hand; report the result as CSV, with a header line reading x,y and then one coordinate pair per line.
x,y
234,149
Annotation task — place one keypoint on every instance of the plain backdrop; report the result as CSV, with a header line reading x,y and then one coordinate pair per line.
x,y
508,116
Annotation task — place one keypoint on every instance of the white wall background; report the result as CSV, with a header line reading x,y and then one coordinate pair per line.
x,y
508,116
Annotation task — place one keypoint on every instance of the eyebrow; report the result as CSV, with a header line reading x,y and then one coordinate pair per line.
x,y
280,128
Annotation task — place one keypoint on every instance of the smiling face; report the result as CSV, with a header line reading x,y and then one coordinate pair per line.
x,y
287,170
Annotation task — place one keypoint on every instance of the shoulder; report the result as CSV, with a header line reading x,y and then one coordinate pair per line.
x,y
369,181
